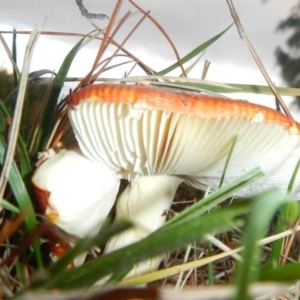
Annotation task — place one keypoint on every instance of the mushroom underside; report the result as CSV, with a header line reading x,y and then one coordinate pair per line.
x,y
137,142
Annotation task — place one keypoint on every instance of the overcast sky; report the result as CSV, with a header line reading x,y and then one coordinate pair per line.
x,y
188,23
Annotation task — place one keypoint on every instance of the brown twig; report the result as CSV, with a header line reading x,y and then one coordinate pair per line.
x,y
121,45
146,68
103,45
287,245
120,24
24,244
205,69
10,226
256,57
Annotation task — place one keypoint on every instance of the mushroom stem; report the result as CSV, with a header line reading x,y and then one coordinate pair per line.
x,y
144,202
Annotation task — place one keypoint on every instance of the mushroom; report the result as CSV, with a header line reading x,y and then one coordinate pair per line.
x,y
75,193
158,138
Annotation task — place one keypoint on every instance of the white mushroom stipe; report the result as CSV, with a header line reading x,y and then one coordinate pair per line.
x,y
75,192
145,202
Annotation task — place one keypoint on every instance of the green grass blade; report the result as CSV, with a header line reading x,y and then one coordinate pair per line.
x,y
216,198
48,123
286,217
228,160
25,165
24,158
263,209
86,244
22,197
277,105
216,87
191,67
26,124
155,244
193,84
14,56
117,65
287,273
210,270
293,178
265,90
8,206
193,53
21,271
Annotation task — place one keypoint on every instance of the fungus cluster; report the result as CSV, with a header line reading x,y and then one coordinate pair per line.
x,y
157,138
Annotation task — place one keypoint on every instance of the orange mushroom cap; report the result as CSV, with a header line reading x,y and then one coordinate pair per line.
x,y
140,130
194,104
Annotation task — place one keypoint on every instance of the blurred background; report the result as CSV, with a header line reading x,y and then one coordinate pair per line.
x,y
272,26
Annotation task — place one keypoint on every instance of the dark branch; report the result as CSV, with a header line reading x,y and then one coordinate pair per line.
x,y
88,15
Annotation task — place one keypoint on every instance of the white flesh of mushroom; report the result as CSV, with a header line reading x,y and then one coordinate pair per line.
x,y
145,202
82,192
138,141
153,142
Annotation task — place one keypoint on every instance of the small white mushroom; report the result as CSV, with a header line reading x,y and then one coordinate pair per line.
x,y
174,137
74,192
